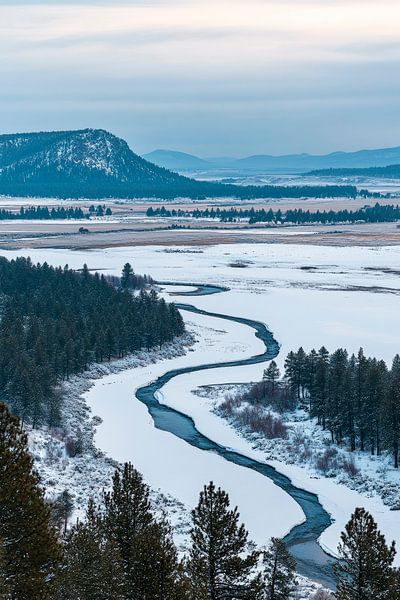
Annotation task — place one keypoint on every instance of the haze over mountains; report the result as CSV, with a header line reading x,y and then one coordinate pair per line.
x,y
93,163
291,163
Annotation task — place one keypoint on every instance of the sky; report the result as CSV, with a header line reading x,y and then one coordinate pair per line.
x,y
210,77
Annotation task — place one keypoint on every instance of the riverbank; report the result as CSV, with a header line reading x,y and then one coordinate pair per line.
x,y
67,458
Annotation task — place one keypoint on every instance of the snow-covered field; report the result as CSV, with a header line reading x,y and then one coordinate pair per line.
x,y
308,296
170,464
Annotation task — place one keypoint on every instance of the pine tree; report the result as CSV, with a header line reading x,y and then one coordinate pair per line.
x,y
221,563
127,275
271,376
279,571
92,567
128,522
30,551
365,568
392,410
169,581
63,507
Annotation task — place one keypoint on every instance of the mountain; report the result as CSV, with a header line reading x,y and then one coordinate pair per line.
x,y
88,157
290,163
92,163
298,163
389,172
176,161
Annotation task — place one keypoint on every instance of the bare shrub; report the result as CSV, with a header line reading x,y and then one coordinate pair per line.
x,y
327,461
255,419
53,451
323,595
74,445
228,406
350,467
279,396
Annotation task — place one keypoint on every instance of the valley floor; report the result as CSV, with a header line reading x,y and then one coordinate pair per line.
x,y
307,295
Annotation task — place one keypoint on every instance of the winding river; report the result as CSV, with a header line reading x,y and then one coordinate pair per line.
x,y
302,540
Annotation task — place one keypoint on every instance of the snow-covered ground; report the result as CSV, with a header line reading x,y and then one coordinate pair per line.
x,y
307,295
170,464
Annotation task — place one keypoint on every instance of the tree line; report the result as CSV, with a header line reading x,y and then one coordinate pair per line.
x,y
390,172
59,212
356,398
124,550
176,187
56,322
367,214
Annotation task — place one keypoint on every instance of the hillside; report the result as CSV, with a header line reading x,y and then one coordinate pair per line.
x,y
389,172
290,163
298,163
93,163
176,161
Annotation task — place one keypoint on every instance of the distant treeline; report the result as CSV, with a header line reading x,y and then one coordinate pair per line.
x,y
60,212
390,172
184,187
56,322
370,214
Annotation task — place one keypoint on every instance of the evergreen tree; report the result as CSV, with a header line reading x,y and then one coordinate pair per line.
x,y
92,567
392,410
271,376
365,569
55,322
128,519
29,551
127,275
221,563
169,581
149,558
279,571
63,507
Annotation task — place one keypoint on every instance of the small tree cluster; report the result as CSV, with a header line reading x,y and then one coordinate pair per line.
x,y
356,398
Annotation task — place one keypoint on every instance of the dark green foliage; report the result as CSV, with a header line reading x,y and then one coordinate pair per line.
x,y
62,509
43,213
279,571
368,214
221,562
365,570
95,164
149,559
356,398
55,322
271,377
29,551
127,276
391,172
92,567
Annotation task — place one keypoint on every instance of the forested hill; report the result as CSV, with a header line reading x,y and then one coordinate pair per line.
x,y
55,322
389,172
93,163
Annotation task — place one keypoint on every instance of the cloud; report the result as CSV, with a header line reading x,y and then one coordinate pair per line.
x,y
205,74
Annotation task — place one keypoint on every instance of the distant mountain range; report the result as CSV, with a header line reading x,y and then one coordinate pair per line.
x,y
93,163
389,172
176,161
291,163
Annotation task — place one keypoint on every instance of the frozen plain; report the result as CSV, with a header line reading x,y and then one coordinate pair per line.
x,y
307,295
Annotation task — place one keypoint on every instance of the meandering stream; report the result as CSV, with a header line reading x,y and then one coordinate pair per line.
x,y
312,561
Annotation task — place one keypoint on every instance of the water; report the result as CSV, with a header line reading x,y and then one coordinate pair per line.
x,y
302,540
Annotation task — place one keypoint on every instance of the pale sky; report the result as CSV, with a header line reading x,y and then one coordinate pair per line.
x,y
212,77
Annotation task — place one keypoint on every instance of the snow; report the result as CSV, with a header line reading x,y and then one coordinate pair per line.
x,y
307,295
170,464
